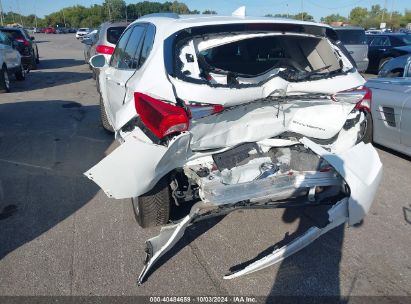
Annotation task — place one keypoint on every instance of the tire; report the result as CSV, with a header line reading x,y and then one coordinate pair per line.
x,y
4,80
20,75
382,62
93,73
153,208
38,58
33,62
368,129
104,119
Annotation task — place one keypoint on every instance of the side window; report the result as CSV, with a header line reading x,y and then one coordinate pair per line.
x,y
386,42
119,51
2,38
133,48
147,44
377,41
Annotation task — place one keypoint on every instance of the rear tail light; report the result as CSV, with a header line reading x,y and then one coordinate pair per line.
x,y
24,41
360,96
160,117
197,111
104,49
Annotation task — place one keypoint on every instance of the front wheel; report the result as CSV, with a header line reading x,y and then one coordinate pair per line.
x,y
4,80
153,208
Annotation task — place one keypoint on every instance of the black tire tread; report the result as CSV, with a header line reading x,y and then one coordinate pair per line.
x,y
104,119
154,206
3,88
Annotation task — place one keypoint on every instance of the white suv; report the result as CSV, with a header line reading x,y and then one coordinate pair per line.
x,y
10,62
234,112
82,32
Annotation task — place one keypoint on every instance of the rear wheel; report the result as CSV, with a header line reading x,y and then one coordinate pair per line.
x,y
383,61
103,116
4,80
153,208
21,74
366,129
33,62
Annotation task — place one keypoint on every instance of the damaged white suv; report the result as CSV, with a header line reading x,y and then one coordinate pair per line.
x,y
230,113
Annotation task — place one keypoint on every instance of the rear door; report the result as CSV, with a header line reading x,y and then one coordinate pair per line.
x,y
378,46
123,65
355,42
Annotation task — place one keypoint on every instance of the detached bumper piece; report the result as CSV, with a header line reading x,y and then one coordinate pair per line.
x,y
361,169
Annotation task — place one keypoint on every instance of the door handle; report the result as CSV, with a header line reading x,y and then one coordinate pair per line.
x,y
351,52
382,50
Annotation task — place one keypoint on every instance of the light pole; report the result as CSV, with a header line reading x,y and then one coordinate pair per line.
x,y
302,10
1,13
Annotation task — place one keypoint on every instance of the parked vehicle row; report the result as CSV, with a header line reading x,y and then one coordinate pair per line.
x,y
228,113
26,46
18,55
10,62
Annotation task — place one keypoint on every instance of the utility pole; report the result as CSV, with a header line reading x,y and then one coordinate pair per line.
x,y
126,14
302,10
392,9
383,11
1,13
64,18
18,9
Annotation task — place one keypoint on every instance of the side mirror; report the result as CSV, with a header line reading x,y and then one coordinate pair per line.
x,y
98,61
32,38
14,44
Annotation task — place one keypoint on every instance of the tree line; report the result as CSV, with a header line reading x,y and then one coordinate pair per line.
x,y
93,16
360,16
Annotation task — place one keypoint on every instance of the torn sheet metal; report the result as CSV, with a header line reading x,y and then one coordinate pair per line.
x,y
261,120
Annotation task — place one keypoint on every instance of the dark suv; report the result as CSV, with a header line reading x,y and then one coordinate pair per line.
x,y
383,47
25,45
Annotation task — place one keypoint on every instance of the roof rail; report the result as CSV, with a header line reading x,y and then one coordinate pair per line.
x,y
165,15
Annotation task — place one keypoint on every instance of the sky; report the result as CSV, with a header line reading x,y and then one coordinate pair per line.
x,y
316,8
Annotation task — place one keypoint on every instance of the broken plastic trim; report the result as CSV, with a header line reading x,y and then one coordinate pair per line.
x,y
353,165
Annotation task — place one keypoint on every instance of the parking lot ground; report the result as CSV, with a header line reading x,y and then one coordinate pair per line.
x,y
60,234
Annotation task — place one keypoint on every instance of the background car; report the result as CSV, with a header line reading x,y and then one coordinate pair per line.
x,y
10,62
89,40
82,32
396,67
26,46
391,112
105,40
355,42
50,30
383,47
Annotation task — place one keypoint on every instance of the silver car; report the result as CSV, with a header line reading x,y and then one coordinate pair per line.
x,y
391,110
355,42
105,40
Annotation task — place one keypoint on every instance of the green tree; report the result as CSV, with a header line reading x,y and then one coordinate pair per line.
x,y
209,12
358,16
333,18
303,16
116,9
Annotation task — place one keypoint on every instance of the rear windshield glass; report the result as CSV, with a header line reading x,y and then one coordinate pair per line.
x,y
114,33
83,29
13,34
352,36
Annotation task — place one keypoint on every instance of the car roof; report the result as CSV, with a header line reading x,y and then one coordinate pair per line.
x,y
184,21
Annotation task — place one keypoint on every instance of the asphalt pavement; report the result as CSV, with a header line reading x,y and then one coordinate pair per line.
x,y
60,234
